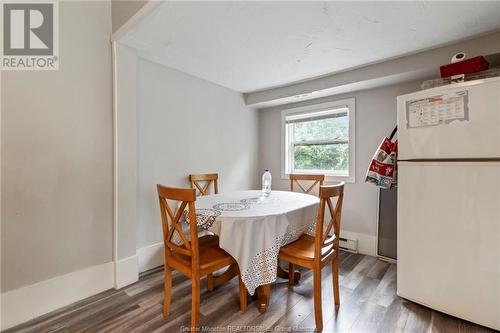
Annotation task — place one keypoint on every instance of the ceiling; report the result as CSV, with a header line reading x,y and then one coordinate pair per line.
x,y
251,46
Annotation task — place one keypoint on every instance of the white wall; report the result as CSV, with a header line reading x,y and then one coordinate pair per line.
x,y
188,125
57,155
56,191
375,118
123,10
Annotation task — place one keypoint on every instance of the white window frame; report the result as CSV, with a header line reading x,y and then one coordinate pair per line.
x,y
348,103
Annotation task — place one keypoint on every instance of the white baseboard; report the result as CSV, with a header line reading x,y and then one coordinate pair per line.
x,y
126,271
367,244
150,256
26,303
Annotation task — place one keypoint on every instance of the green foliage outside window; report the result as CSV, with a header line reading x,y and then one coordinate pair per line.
x,y
322,156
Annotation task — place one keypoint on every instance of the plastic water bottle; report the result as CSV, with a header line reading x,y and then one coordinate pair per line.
x,y
266,183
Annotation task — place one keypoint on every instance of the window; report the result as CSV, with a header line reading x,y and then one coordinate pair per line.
x,y
319,139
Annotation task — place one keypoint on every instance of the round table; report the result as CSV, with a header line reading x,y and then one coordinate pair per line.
x,y
252,228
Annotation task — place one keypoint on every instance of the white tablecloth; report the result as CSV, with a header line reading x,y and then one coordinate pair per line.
x,y
252,228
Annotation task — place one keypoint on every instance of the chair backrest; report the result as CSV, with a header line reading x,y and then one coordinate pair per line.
x,y
208,178
323,237
171,221
296,178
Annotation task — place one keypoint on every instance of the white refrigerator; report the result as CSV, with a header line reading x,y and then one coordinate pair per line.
x,y
449,200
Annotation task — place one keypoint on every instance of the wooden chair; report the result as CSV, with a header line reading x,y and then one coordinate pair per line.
x,y
194,257
296,177
208,178
316,252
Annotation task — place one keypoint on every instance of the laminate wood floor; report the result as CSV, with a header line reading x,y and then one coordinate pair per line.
x,y
368,304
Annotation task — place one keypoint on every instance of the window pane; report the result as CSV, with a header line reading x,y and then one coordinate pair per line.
x,y
323,129
333,157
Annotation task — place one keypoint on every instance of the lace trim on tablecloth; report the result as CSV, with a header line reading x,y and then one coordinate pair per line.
x,y
263,266
205,217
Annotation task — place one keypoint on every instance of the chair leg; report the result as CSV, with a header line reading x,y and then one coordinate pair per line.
x,y
243,295
210,282
291,273
168,291
195,304
335,278
318,313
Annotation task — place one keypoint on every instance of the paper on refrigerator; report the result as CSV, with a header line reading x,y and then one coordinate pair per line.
x,y
437,110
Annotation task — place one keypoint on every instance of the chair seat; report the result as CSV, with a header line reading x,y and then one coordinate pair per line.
x,y
212,257
303,250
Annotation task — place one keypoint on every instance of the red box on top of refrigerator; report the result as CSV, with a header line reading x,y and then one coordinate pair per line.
x,y
472,65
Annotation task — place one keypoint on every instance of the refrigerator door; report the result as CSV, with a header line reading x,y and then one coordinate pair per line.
x,y
449,238
457,121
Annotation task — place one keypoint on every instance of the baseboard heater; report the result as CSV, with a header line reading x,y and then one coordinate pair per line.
x,y
349,245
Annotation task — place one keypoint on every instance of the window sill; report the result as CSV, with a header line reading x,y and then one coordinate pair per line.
x,y
330,179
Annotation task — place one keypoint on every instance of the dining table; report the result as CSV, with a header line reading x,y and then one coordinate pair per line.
x,y
252,227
